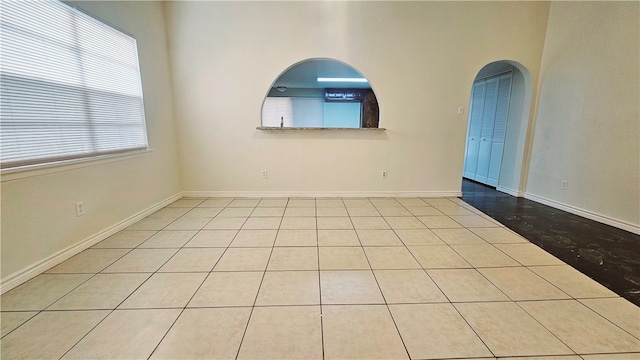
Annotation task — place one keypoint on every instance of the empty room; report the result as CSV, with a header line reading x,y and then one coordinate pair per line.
x,y
320,180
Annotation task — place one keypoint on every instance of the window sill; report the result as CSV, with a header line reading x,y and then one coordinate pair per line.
x,y
60,166
274,128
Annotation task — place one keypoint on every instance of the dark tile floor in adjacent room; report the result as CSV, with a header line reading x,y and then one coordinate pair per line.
x,y
607,254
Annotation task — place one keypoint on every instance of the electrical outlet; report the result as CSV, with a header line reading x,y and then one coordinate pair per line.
x,y
264,174
80,210
460,110
383,174
564,184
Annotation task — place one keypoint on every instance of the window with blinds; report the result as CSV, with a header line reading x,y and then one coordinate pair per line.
x,y
70,86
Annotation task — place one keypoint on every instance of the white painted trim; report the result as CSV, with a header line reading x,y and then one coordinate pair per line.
x,y
346,194
585,213
510,191
45,264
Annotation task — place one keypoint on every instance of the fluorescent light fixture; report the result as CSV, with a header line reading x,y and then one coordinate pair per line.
x,y
353,80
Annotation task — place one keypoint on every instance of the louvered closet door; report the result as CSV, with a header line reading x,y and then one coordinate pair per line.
x,y
499,129
475,125
486,131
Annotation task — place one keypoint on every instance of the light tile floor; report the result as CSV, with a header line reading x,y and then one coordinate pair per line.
x,y
317,278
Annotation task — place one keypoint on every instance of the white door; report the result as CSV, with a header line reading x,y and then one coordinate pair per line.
x,y
473,132
486,131
499,129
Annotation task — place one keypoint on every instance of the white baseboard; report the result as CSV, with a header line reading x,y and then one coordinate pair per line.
x,y
512,192
45,264
346,194
585,213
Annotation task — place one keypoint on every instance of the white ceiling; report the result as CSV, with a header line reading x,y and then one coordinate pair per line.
x,y
304,75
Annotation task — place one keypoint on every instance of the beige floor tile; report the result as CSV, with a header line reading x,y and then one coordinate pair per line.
x,y
384,202
9,321
357,202
572,281
300,212
484,255
405,222
244,203
529,254
41,291
509,331
331,211
101,292
193,260
165,290
561,357
370,223
125,239
423,210
244,259
254,238
202,212
439,222
293,258
151,223
302,203
418,237
349,287
49,334
436,331
263,223
379,238
458,237
186,203
363,211
465,285
520,283
268,212
619,311
273,202
171,212
454,209
338,238
335,223
236,212
188,223
296,238
343,258
228,289
334,203
438,257
222,223
406,202
216,202
408,286
580,328
394,211
439,201
288,332
627,356
499,236
141,260
212,238
289,288
391,257
193,337
360,332
131,334
89,261
168,239
298,223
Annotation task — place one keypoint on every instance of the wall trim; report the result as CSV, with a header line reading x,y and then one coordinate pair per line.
x,y
425,194
633,228
31,271
512,192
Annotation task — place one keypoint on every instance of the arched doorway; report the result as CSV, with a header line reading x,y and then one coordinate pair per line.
x,y
497,127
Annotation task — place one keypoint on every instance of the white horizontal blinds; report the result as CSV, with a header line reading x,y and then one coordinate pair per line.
x,y
275,108
70,86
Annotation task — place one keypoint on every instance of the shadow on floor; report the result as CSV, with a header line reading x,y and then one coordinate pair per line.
x,y
606,254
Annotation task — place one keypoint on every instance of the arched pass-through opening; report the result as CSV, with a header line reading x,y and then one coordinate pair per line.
x,y
320,93
497,127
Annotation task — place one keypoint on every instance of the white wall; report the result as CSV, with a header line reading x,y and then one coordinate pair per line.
x,y
588,118
38,211
420,58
